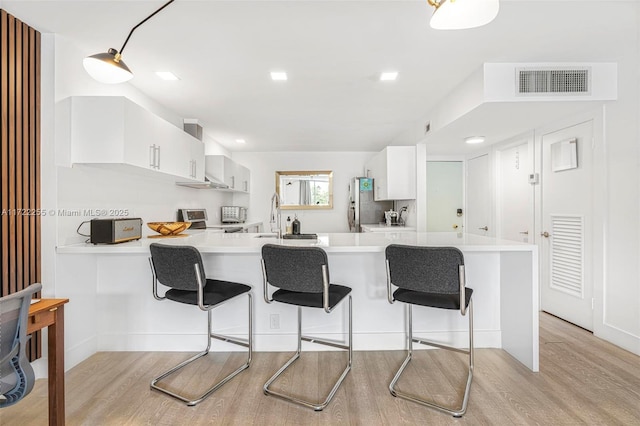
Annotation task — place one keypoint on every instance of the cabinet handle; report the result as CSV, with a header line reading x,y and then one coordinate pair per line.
x,y
152,156
233,182
195,169
246,186
484,228
158,158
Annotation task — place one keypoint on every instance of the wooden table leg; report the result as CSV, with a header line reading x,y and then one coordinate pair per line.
x,y
56,369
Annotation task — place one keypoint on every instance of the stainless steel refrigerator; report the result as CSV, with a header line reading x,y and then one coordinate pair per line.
x,y
363,210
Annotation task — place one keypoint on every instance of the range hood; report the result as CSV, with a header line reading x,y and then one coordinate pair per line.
x,y
213,182
210,182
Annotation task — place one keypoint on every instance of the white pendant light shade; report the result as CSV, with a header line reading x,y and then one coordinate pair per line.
x,y
461,14
107,67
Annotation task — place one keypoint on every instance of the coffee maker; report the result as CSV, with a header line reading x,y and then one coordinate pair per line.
x,y
391,218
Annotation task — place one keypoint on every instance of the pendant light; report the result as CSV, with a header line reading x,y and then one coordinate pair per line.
x,y
109,67
461,14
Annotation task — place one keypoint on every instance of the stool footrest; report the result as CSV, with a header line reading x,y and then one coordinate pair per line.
x,y
234,340
325,342
439,345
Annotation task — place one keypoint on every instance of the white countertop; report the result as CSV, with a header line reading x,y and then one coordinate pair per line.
x,y
233,225
216,242
385,228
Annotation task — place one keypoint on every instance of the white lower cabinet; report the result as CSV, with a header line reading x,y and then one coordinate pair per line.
x,y
115,130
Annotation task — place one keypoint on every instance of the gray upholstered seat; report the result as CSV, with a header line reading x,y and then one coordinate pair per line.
x,y
301,275
432,277
181,269
16,374
312,300
214,293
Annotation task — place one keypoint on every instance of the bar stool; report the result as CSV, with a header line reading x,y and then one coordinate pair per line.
x,y
301,275
432,277
181,268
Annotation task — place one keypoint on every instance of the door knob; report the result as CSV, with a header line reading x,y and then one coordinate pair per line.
x,y
484,228
524,232
455,226
545,234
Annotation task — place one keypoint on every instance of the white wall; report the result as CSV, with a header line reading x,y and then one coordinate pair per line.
x,y
89,187
617,294
83,187
616,188
263,165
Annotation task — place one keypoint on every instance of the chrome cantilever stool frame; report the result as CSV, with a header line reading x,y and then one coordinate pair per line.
x,y
432,277
189,286
302,276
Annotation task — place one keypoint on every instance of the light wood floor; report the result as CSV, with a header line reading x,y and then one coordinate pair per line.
x,y
583,380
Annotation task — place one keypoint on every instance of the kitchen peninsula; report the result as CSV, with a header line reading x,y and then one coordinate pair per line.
x,y
115,310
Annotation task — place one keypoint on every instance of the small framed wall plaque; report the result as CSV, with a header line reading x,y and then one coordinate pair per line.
x,y
564,155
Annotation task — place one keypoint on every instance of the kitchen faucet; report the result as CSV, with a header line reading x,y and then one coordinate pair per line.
x,y
275,222
400,219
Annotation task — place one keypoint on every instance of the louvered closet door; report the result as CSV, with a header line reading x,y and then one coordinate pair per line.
x,y
565,249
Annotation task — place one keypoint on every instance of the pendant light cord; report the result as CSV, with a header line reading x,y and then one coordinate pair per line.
x,y
145,20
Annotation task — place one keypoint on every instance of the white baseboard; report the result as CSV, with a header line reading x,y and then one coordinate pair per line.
x,y
283,342
616,336
262,343
72,357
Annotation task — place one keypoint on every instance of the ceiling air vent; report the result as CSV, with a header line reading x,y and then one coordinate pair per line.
x,y
557,81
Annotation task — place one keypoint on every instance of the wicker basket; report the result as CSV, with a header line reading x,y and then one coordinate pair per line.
x,y
169,228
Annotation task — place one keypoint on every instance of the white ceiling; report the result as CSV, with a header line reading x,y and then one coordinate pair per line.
x,y
333,52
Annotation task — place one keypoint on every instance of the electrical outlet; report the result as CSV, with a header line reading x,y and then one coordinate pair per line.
x,y
274,321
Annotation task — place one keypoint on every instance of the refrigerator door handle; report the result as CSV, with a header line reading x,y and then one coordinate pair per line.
x,y
351,217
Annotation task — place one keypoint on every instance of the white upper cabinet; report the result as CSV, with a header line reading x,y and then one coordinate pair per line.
x,y
115,130
394,173
224,169
243,177
196,165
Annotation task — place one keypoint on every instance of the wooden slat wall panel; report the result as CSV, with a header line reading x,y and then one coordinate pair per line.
x,y
4,101
20,158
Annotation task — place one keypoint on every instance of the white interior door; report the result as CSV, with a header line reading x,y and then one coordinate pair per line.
x,y
478,196
515,193
444,195
566,237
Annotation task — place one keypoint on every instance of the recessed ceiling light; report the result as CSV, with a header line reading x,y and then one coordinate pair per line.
x,y
278,76
389,76
167,75
474,139
240,141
